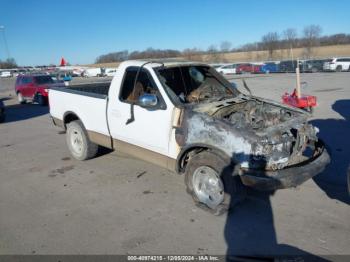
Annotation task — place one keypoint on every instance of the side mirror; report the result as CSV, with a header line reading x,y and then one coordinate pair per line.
x,y
148,100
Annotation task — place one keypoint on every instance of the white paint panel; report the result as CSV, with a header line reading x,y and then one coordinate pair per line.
x,y
90,110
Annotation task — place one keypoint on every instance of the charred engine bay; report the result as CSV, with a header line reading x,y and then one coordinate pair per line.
x,y
255,114
279,135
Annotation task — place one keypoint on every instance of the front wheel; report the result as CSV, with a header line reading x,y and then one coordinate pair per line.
x,y
211,182
79,144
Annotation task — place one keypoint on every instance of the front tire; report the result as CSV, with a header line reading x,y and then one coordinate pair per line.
x,y
79,144
339,68
211,182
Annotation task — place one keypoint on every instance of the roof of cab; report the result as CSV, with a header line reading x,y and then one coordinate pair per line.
x,y
159,62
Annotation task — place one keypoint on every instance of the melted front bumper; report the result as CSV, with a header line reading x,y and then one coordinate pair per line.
x,y
288,177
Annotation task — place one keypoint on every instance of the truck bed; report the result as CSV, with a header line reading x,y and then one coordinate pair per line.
x,y
98,90
88,101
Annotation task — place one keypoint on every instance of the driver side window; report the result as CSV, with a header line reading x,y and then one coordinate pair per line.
x,y
130,92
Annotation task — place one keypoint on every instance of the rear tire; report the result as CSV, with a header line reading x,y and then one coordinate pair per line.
x,y
2,117
79,144
211,182
20,98
41,100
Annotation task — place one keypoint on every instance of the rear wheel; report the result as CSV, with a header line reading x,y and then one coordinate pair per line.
x,y
20,98
2,115
78,142
41,100
210,181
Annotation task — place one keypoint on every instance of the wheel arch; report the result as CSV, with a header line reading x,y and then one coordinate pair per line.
x,y
188,150
68,117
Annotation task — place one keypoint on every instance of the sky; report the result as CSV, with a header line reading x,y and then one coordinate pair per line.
x,y
41,32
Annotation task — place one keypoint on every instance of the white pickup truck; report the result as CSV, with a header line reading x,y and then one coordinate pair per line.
x,y
188,118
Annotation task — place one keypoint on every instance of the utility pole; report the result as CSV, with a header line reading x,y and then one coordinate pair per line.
x,y
2,29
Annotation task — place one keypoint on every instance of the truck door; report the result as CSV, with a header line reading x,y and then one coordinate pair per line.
x,y
146,128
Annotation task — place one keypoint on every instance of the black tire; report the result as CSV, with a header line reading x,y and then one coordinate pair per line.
x,y
349,180
20,99
41,100
88,149
2,117
339,68
234,190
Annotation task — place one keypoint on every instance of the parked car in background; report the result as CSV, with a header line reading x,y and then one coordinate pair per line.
x,y
244,68
34,88
5,74
228,69
256,69
270,67
289,66
337,64
2,112
62,76
313,66
110,71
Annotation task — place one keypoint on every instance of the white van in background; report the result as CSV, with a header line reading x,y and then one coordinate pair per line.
x,y
92,72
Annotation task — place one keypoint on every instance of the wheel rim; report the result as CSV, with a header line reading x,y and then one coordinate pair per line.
x,y
207,186
76,141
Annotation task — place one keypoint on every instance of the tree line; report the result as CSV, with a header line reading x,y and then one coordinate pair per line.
x,y
309,38
8,63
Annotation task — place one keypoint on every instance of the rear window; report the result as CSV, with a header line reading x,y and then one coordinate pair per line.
x,y
43,80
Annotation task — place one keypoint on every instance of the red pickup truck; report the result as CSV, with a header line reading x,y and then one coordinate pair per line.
x,y
34,88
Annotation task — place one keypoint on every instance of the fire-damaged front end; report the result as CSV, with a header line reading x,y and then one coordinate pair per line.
x,y
272,145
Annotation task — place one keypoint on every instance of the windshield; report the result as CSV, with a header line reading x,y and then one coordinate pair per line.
x,y
195,83
43,80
